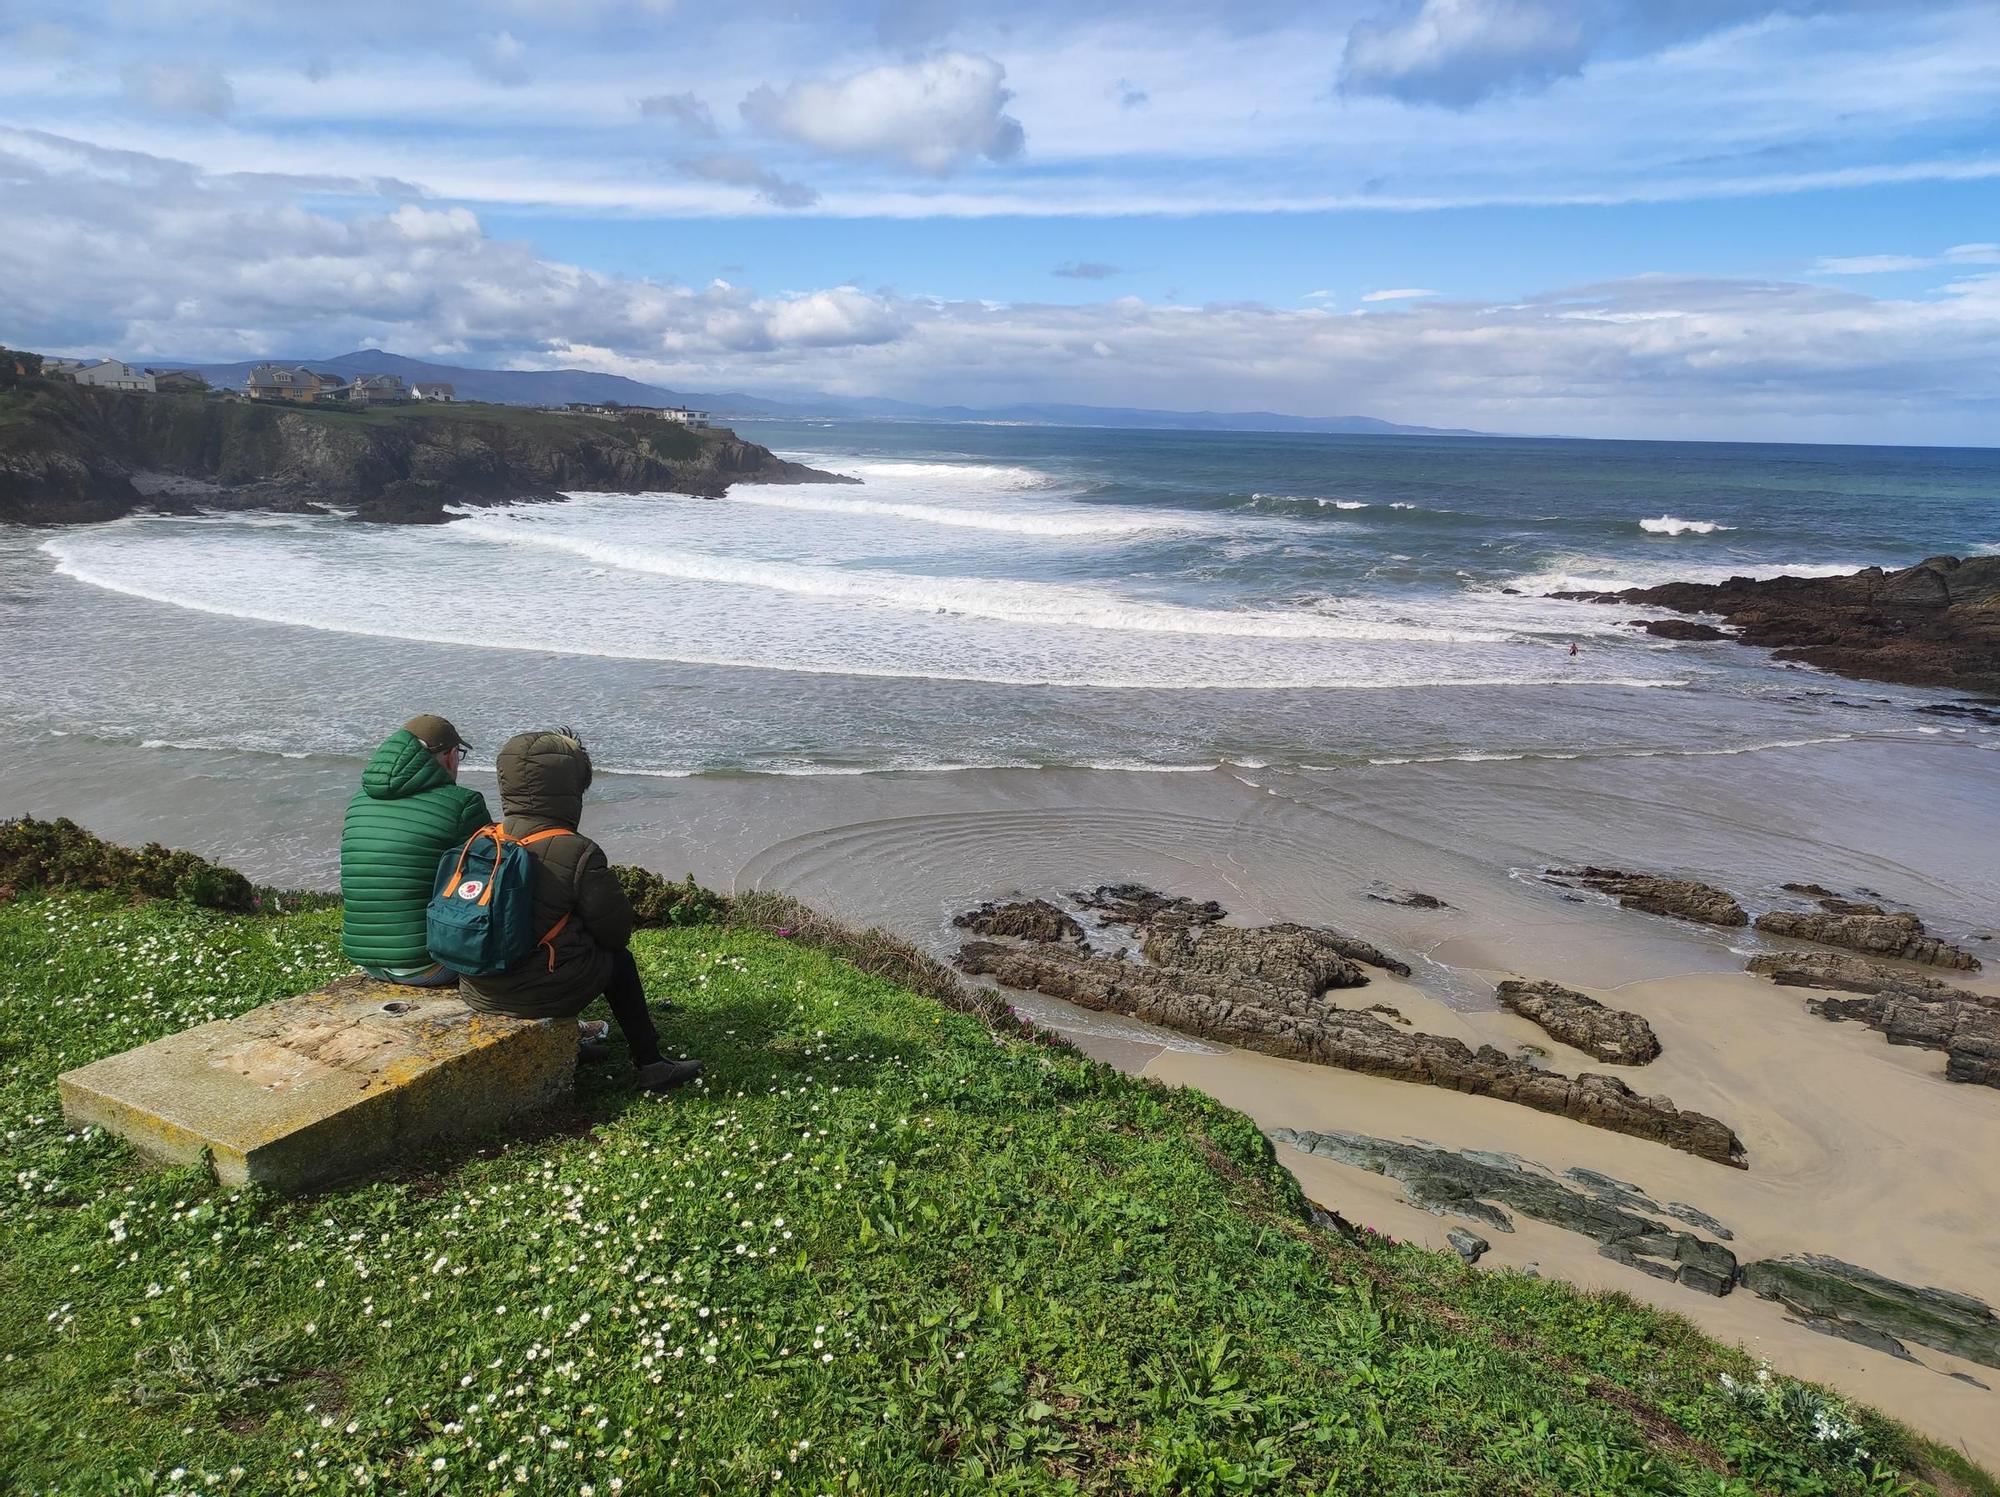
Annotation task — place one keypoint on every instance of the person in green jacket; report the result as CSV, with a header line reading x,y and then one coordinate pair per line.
x,y
579,902
409,812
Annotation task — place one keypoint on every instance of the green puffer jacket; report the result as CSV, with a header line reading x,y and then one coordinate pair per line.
x,y
542,780
407,814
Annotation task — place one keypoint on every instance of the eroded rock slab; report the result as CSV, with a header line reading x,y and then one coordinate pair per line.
x,y
1854,974
1024,920
1255,1015
1135,905
1860,1304
1900,936
1610,1034
1469,1184
1967,1033
1680,898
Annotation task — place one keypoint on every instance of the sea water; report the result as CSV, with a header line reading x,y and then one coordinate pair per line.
x,y
992,596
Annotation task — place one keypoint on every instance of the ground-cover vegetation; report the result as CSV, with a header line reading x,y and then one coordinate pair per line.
x,y
884,1247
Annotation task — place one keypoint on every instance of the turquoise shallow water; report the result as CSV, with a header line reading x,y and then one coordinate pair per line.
x,y
1006,596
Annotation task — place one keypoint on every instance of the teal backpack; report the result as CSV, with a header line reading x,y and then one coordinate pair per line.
x,y
481,918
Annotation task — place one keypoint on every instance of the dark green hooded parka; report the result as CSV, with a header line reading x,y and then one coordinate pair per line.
x,y
408,813
542,780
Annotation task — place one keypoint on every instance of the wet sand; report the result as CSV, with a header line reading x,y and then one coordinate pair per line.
x,y
1857,1149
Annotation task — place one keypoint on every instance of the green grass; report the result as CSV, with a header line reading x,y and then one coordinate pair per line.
x,y
884,1248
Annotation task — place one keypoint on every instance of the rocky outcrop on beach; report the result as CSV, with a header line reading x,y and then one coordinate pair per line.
x,y
1680,898
1907,1008
1861,1305
1136,905
1966,1029
1023,920
1266,988
1873,933
1933,624
1611,1035
1478,1185
71,454
1850,974
1686,631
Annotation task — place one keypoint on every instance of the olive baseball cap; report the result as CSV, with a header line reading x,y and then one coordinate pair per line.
x,y
435,733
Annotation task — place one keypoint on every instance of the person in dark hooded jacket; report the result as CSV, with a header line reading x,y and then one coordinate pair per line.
x,y
542,780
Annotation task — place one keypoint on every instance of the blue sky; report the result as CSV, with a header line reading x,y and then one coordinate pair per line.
x,y
1713,218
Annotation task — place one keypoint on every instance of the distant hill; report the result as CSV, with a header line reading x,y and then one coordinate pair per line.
x,y
560,386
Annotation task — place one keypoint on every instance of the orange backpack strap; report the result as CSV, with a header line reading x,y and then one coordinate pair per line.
x,y
555,930
549,940
458,871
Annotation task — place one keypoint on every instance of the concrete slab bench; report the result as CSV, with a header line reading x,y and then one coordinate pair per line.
x,y
325,1086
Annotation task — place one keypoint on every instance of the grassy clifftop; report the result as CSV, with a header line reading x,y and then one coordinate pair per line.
x,y
883,1248
69,453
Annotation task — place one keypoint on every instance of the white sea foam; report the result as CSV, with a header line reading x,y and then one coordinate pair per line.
x,y
1309,499
1589,574
963,475
1019,522
1673,525
1004,600
1494,756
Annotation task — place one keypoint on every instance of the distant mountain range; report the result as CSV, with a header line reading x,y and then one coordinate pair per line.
x,y
560,386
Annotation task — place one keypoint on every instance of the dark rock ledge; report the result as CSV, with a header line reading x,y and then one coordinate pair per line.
x,y
1265,989
1827,1295
1907,1007
1934,624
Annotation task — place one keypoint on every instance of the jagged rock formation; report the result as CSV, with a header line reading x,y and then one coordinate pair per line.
x,y
70,454
1900,935
1967,1032
1850,974
1265,989
1024,920
1934,624
1470,1183
1908,1008
1861,1305
1679,629
1136,905
1681,898
1410,899
1610,1034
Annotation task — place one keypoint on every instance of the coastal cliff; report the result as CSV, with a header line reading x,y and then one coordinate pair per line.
x,y
71,454
1933,624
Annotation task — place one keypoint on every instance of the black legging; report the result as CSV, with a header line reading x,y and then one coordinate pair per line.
x,y
627,996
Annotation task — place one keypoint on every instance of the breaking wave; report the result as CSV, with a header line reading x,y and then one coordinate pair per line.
x,y
1673,525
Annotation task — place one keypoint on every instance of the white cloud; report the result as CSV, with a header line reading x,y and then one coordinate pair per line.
x,y
1456,52
148,257
178,88
935,114
1958,254
1398,293
837,318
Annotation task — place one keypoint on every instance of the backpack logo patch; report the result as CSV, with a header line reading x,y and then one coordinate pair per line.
x,y
471,889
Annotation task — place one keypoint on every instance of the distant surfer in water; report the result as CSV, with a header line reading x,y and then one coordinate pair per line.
x,y
1572,647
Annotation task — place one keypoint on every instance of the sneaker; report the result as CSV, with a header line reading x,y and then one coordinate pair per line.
x,y
593,1029
665,1075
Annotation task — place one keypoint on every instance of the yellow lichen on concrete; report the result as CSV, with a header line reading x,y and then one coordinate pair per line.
x,y
326,1084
